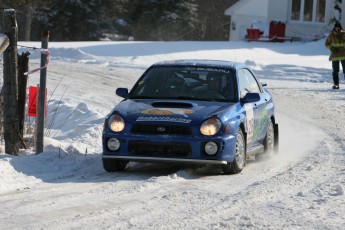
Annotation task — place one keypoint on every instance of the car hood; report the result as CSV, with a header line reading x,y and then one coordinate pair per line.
x,y
171,111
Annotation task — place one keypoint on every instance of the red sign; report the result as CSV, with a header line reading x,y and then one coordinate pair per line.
x,y
32,107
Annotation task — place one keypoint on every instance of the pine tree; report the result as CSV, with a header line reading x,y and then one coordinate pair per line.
x,y
162,20
82,20
73,20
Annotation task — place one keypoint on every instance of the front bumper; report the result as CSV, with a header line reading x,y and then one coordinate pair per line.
x,y
164,160
168,148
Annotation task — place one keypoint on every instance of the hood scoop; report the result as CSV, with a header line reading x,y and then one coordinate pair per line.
x,y
172,104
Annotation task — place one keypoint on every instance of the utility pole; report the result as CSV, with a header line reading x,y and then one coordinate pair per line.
x,y
10,88
42,96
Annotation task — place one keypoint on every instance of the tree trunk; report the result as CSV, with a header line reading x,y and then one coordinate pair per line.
x,y
28,21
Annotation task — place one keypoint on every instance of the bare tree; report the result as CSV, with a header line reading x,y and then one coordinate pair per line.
x,y
28,21
213,24
24,13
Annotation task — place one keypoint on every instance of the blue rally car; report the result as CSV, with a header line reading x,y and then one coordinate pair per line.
x,y
191,111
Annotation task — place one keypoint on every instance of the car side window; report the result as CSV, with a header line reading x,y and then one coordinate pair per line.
x,y
253,84
243,83
247,83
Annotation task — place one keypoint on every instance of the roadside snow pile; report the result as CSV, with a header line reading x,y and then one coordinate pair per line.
x,y
78,125
58,53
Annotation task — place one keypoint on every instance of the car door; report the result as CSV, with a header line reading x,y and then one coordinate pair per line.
x,y
255,112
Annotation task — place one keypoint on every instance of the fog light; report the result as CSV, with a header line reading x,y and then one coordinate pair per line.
x,y
113,144
211,148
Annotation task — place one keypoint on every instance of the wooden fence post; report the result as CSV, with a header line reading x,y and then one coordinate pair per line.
x,y
11,126
23,66
4,42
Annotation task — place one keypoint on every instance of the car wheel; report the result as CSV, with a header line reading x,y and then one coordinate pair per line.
x,y
268,142
240,156
112,165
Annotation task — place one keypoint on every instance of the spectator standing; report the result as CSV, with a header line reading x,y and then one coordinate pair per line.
x,y
336,43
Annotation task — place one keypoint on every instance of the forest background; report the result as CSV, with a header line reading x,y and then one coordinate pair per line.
x,y
141,20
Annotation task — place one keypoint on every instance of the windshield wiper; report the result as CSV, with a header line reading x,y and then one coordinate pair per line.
x,y
184,98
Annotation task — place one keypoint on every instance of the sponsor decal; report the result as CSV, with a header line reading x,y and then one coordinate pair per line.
x,y
209,69
165,119
250,121
262,123
168,111
254,129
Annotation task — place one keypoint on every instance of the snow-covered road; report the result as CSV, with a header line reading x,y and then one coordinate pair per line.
x,y
66,188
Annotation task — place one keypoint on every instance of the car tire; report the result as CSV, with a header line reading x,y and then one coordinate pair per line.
x,y
240,156
269,142
112,165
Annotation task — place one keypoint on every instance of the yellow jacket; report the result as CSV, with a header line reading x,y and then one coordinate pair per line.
x,y
336,43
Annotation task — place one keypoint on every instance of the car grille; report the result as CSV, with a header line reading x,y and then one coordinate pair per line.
x,y
162,129
159,148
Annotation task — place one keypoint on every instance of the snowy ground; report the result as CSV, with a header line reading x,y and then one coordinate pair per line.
x,y
66,187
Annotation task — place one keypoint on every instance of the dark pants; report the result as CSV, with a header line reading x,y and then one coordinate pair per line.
x,y
335,73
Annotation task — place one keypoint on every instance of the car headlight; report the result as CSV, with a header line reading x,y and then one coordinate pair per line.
x,y
210,126
116,123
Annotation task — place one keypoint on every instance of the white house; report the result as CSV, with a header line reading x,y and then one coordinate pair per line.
x,y
303,19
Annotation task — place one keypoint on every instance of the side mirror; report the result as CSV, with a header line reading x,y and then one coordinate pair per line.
x,y
251,98
122,92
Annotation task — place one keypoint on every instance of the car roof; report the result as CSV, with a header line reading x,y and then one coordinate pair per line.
x,y
201,62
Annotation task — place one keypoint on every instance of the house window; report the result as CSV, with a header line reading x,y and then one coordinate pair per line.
x,y
296,9
308,10
320,10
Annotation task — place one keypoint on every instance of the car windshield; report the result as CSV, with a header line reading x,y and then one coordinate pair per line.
x,y
186,83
